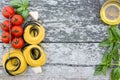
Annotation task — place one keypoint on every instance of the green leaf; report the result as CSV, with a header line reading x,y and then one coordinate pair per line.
x,y
114,32
25,14
118,32
111,47
104,70
115,74
99,69
118,45
21,7
114,52
110,35
26,3
104,58
115,55
15,3
107,59
19,10
105,43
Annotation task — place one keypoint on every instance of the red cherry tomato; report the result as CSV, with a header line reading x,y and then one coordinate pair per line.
x,y
5,25
8,11
17,31
6,37
17,20
17,43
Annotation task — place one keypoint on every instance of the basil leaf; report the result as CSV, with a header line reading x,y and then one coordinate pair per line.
x,y
115,74
104,58
104,70
110,35
113,44
111,47
19,10
114,32
25,3
25,14
115,55
114,52
15,3
105,43
118,32
99,69
107,59
118,45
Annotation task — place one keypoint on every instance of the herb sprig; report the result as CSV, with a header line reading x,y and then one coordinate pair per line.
x,y
111,55
21,7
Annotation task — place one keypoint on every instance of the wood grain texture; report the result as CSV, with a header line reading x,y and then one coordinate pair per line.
x,y
102,2
65,61
57,72
69,20
68,53
73,31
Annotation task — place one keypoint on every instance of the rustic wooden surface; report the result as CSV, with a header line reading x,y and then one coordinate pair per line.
x,y
73,32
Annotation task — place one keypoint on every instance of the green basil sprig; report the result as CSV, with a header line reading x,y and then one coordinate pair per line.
x,y
21,7
111,55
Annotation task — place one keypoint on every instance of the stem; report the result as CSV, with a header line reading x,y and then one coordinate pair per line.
x,y
118,64
9,40
1,25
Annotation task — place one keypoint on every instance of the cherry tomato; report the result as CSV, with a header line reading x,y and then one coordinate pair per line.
x,y
17,43
5,25
8,11
17,20
6,37
17,31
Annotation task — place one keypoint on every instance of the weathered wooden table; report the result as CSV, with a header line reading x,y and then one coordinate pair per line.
x,y
73,32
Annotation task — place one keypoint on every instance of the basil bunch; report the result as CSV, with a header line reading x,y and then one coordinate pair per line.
x,y
111,55
21,7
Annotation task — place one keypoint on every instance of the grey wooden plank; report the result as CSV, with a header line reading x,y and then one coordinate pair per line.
x,y
1,17
1,4
103,1
69,20
75,20
69,53
92,33
57,73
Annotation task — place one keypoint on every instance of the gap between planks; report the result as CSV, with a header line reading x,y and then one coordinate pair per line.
x,y
70,65
70,42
